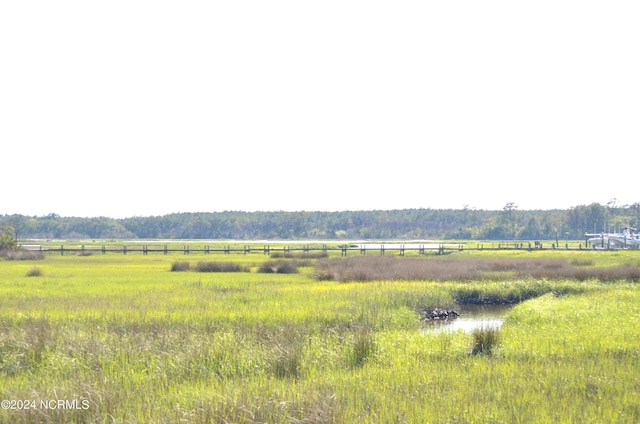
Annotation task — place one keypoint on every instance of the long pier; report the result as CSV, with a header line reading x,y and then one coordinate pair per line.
x,y
344,249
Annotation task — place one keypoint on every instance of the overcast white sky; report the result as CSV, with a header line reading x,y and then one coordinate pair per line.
x,y
124,108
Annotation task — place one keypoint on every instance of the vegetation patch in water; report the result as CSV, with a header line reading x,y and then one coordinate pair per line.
x,y
438,314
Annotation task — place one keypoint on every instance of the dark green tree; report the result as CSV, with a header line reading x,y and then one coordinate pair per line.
x,y
8,239
509,220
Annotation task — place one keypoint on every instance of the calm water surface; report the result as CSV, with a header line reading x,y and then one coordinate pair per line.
x,y
472,317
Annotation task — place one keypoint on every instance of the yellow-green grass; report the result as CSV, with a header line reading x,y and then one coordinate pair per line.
x,y
140,343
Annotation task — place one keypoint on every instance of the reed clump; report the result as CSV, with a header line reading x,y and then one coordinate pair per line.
x,y
180,266
34,271
287,360
279,267
485,340
21,255
362,348
209,266
220,266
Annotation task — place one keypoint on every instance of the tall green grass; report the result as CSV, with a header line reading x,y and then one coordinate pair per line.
x,y
143,344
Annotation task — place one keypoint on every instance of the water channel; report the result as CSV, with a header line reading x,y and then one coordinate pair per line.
x,y
471,317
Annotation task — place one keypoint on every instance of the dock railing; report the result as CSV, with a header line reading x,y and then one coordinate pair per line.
x,y
344,249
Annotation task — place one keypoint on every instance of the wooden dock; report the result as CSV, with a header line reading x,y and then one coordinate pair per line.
x,y
344,249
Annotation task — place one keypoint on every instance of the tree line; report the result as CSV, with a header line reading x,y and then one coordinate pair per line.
x,y
509,223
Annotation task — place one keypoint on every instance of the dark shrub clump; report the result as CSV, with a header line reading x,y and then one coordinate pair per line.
x,y
212,266
21,255
34,272
179,266
279,267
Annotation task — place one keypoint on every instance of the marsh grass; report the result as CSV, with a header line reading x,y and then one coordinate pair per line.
x,y
515,291
34,271
582,262
21,255
220,266
210,266
485,340
180,266
465,268
286,361
279,267
362,348
299,255
141,344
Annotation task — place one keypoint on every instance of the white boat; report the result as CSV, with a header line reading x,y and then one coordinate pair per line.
x,y
629,238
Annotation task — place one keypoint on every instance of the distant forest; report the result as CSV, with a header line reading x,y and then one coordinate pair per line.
x,y
510,223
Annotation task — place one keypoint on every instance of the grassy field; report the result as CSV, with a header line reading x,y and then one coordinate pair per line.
x,y
123,339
